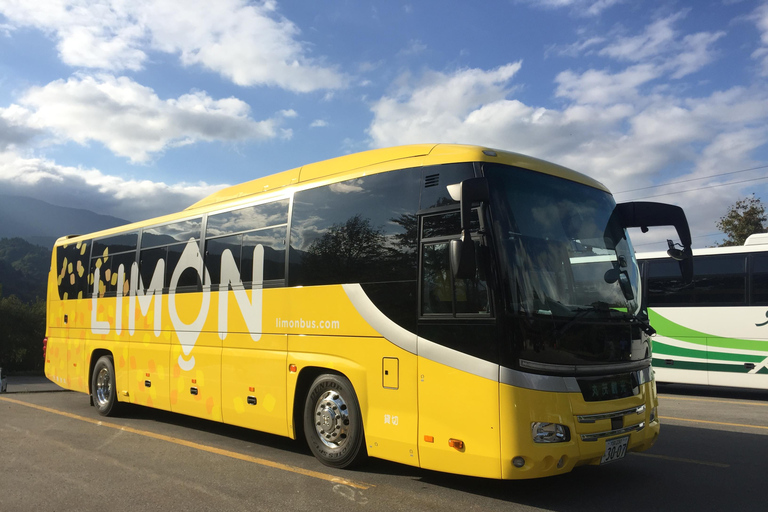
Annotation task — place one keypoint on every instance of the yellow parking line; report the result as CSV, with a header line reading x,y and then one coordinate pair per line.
x,y
714,422
202,447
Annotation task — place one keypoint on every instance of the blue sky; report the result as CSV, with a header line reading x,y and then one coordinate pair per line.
x,y
139,108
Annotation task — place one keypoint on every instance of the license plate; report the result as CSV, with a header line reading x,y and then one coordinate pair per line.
x,y
615,449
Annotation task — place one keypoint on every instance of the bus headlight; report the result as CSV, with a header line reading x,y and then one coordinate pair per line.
x,y
549,432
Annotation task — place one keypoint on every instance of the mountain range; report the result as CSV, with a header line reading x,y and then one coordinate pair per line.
x,y
28,229
41,223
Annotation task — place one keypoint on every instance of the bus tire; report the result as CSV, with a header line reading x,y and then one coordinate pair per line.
x,y
103,387
333,424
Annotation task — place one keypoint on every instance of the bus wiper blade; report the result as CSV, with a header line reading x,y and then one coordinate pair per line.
x,y
644,325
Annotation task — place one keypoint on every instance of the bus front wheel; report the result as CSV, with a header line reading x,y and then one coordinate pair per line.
x,y
103,388
333,424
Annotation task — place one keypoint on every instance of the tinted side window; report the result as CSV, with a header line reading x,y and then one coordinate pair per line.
x,y
72,268
108,261
441,293
759,279
241,231
247,219
358,231
148,262
123,242
665,283
189,280
273,241
166,234
718,280
214,250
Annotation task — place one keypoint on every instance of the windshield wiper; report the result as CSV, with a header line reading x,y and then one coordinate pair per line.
x,y
603,308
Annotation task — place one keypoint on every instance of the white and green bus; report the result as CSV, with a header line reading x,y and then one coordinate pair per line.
x,y
714,330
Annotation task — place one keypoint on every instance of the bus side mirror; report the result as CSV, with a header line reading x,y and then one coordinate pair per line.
x,y
644,214
463,263
462,252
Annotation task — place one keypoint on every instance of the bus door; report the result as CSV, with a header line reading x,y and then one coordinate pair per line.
x,y
458,373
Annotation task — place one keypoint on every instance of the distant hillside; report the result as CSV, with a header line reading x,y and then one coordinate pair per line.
x,y
23,269
41,223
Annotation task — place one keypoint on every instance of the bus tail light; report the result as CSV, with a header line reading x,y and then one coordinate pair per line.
x,y
45,347
549,432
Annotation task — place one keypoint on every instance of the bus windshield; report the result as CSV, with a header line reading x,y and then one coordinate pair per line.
x,y
568,261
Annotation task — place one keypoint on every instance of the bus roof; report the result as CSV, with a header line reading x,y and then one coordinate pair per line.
x,y
379,160
349,167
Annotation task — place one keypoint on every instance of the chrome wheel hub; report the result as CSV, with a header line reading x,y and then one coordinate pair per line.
x,y
332,419
103,387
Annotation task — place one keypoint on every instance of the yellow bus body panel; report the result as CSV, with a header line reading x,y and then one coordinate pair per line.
x,y
461,406
521,407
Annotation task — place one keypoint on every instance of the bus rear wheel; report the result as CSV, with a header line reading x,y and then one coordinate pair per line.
x,y
103,388
333,425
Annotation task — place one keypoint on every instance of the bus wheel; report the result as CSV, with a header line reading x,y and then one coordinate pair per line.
x,y
103,387
333,424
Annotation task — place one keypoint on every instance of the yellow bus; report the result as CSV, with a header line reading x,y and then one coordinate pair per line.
x,y
449,307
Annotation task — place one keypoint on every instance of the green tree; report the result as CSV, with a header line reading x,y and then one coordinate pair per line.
x,y
746,217
22,328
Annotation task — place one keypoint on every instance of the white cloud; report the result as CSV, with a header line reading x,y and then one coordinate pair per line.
x,y
760,17
248,43
318,123
663,47
602,87
132,121
14,131
654,41
439,104
93,190
577,7
415,47
612,128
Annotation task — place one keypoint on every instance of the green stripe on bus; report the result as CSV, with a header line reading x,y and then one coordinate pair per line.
x,y
666,327
660,348
679,365
690,365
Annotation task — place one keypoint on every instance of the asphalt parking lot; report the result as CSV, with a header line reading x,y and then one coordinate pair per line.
x,y
56,453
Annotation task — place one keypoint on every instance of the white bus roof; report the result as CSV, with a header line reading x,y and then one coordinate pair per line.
x,y
757,239
753,246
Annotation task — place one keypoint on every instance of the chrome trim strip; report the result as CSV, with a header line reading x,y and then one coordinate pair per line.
x,y
611,433
538,382
591,418
588,370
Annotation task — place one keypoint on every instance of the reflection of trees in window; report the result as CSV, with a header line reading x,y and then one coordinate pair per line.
x,y
362,230
404,243
347,253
